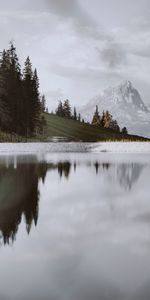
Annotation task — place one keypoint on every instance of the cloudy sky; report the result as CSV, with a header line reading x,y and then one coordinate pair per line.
x,y
81,47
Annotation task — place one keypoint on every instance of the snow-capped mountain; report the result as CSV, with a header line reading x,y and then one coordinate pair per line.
x,y
126,106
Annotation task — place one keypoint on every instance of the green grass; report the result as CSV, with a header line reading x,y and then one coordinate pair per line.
x,y
72,130
11,138
76,131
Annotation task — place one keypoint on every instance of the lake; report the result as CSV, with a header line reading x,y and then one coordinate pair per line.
x,y
75,226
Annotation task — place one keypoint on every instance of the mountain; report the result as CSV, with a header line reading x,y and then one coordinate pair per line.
x,y
126,106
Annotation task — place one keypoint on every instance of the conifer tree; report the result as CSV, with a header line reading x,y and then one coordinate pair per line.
x,y
79,117
27,96
13,80
4,110
43,103
20,105
96,118
114,125
59,110
124,130
36,105
75,114
107,119
67,109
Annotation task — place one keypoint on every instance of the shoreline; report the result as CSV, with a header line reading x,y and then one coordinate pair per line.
x,y
76,147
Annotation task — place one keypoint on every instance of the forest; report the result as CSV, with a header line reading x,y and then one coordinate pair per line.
x,y
21,105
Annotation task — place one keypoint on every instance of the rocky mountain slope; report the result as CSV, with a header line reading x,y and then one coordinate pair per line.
x,y
125,104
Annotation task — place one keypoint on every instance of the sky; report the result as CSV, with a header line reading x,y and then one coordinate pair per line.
x,y
80,47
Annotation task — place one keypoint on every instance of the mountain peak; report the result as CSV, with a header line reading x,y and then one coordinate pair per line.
x,y
125,95
126,84
125,104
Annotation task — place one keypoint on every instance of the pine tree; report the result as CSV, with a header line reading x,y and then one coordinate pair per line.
x,y
79,117
59,110
43,103
75,114
36,105
107,119
67,109
27,97
114,125
13,85
32,105
20,105
124,130
96,118
5,117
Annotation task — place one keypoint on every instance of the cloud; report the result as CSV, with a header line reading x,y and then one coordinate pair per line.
x,y
70,47
69,9
82,23
113,55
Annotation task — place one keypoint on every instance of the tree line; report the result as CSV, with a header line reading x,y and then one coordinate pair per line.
x,y
107,121
65,110
21,105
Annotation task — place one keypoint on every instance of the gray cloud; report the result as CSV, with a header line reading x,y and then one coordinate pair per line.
x,y
69,9
74,43
113,55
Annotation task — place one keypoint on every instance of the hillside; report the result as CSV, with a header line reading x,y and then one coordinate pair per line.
x,y
76,131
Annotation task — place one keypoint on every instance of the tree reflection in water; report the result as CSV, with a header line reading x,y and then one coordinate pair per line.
x,y
19,193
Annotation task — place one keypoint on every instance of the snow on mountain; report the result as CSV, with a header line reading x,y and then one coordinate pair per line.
x,y
126,106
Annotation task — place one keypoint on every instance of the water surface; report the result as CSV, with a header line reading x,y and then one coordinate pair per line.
x,y
75,226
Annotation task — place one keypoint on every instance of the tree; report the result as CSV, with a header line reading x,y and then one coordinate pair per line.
x,y
4,109
31,97
13,87
59,110
20,103
43,103
114,125
27,96
36,105
96,118
107,119
102,121
67,109
75,114
79,117
124,130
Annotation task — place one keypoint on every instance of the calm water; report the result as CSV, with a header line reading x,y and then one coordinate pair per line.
x,y
75,227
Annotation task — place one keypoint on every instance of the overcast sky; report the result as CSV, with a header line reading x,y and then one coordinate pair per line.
x,y
81,47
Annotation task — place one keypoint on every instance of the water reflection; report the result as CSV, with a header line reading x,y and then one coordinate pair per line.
x,y
87,228
19,193
19,196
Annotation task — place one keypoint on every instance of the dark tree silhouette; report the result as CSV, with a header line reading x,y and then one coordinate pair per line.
x,y
124,130
20,102
96,118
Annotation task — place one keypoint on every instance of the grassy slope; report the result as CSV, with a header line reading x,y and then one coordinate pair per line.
x,y
76,131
